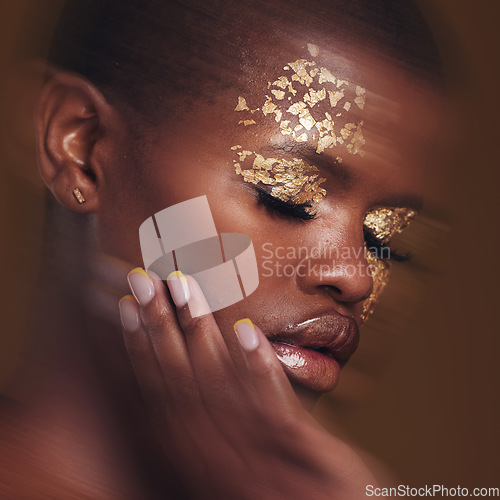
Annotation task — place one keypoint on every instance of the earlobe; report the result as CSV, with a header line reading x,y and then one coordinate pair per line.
x,y
68,121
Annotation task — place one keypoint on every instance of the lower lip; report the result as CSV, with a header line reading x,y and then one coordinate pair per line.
x,y
308,367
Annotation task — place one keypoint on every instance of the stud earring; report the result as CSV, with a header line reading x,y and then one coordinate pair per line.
x,y
79,196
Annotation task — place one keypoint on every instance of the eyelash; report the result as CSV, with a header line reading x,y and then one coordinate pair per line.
x,y
377,248
301,211
285,208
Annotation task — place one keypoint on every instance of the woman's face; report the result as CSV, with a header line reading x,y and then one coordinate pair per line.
x,y
345,138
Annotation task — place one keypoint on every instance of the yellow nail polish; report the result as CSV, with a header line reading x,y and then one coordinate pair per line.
x,y
245,331
244,320
179,275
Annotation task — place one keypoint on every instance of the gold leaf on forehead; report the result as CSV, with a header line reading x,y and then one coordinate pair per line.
x,y
335,97
268,106
279,94
242,105
312,98
301,138
342,82
306,120
325,76
236,147
247,122
357,141
313,49
347,106
295,108
285,127
360,101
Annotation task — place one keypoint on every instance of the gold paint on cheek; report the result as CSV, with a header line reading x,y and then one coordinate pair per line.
x,y
291,180
383,223
379,270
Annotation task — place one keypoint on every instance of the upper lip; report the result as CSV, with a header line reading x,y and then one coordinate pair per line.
x,y
334,334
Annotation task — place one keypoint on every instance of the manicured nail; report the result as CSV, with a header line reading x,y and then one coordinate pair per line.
x,y
178,286
129,314
141,285
153,276
245,331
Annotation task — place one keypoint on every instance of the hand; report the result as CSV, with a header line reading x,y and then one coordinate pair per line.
x,y
229,422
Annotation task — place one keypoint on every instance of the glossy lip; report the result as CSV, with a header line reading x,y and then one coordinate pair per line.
x,y
313,351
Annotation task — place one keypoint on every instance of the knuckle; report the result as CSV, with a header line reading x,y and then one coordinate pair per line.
x,y
158,325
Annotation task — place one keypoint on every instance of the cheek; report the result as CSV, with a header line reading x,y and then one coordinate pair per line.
x,y
380,271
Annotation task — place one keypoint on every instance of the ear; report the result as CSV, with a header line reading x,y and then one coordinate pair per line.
x,y
69,122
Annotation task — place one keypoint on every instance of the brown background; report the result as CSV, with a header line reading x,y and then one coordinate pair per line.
x,y
422,392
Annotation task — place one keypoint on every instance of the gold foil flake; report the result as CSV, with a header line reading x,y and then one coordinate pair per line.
x,y
306,120
313,49
243,154
379,270
325,143
291,180
285,127
296,108
303,117
312,98
242,105
279,94
360,97
268,106
233,148
384,223
247,122
357,141
326,77
335,97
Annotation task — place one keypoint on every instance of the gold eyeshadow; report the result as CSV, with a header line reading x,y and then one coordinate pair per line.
x,y
384,223
291,180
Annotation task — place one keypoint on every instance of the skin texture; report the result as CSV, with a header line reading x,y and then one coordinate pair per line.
x,y
225,420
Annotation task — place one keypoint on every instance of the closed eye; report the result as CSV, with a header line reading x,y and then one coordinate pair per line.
x,y
285,208
382,250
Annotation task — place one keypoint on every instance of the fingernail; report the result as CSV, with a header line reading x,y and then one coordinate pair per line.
x,y
129,314
178,286
153,275
245,331
141,285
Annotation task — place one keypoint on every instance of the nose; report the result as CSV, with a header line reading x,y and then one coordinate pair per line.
x,y
337,265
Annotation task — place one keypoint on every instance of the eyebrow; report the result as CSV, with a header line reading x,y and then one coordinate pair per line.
x,y
337,169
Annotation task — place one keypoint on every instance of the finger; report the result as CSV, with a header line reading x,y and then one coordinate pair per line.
x,y
142,356
264,370
210,357
168,342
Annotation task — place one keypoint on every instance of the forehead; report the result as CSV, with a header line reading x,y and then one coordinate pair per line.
x,y
357,106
